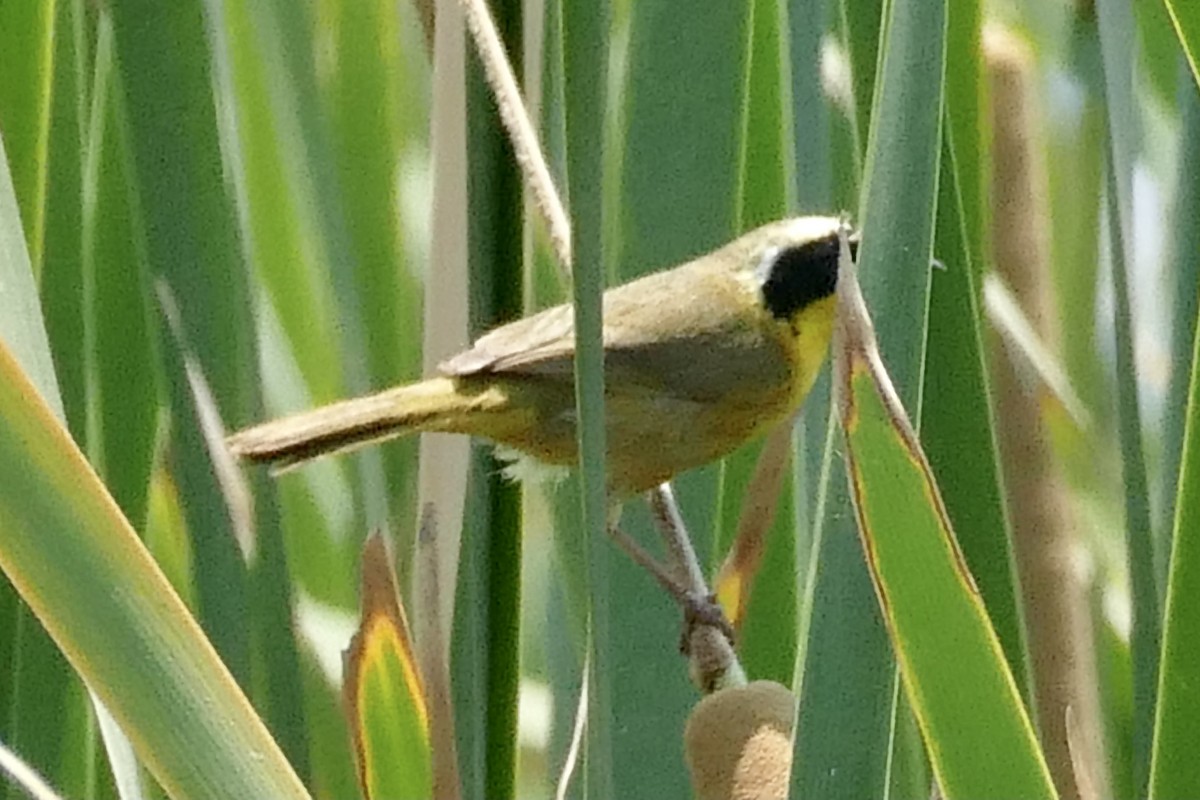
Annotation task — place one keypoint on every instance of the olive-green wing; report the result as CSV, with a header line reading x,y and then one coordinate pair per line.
x,y
544,343
693,333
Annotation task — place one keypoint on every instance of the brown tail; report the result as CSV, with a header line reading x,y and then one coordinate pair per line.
x,y
435,404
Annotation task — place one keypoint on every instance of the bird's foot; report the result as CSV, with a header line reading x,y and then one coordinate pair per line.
x,y
702,610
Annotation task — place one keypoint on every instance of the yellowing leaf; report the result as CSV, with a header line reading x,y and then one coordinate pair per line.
x,y
385,699
975,727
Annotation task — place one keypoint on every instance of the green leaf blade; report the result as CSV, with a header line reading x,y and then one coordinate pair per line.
x,y
66,546
963,695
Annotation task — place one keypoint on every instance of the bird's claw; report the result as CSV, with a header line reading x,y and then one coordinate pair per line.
x,y
702,610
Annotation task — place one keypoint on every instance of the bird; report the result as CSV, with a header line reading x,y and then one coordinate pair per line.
x,y
698,359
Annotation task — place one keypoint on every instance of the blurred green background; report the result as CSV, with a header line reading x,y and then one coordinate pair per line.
x,y
217,211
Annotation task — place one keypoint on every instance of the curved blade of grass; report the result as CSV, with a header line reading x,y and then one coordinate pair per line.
x,y
1185,16
976,729
38,714
45,692
389,718
1117,49
65,546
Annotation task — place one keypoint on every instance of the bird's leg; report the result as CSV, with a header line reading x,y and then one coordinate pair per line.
x,y
707,636
647,562
700,606
702,610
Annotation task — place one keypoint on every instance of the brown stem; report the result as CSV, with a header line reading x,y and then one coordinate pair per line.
x,y
1044,531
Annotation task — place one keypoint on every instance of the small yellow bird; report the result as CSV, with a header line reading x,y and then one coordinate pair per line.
x,y
697,360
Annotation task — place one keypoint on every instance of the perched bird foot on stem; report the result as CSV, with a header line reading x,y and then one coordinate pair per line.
x,y
702,609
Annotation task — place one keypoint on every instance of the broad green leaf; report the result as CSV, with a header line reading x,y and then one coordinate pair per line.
x,y
326,509
1159,52
191,244
765,159
865,26
389,717
334,772
976,729
1115,673
65,546
843,739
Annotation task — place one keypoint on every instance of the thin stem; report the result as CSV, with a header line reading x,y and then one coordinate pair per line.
x,y
515,118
